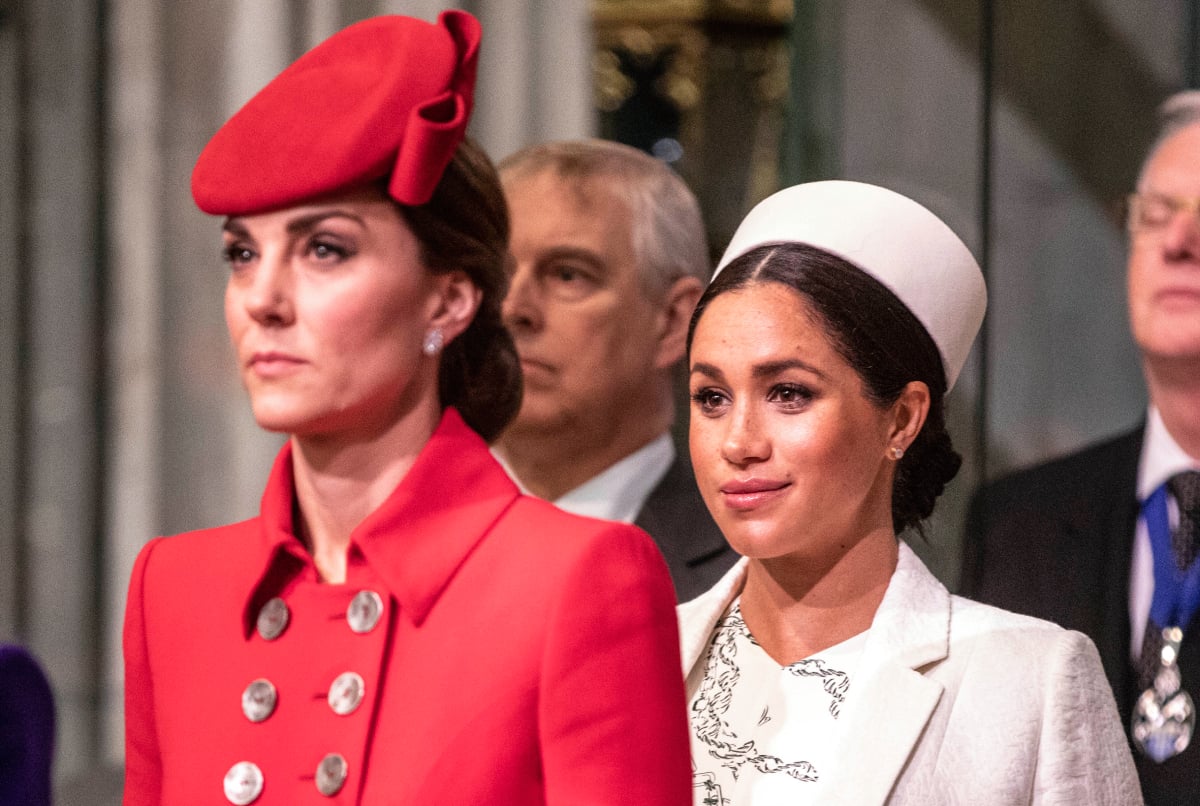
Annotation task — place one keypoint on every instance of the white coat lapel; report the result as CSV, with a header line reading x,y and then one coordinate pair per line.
x,y
890,700
698,618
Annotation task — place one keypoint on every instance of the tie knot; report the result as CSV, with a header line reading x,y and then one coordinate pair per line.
x,y
1185,487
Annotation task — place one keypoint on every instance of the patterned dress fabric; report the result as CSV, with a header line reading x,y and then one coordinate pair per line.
x,y
761,732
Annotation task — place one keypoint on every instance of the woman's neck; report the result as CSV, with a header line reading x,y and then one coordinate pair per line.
x,y
798,605
342,479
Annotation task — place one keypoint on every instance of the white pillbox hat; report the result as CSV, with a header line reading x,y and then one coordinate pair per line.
x,y
890,237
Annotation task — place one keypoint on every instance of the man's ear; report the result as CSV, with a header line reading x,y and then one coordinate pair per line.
x,y
457,299
674,315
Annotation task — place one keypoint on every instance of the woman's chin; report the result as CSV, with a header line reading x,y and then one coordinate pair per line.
x,y
759,544
282,420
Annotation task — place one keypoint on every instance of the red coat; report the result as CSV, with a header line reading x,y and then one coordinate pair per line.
x,y
523,656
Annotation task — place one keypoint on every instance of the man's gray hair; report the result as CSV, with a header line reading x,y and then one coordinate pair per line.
x,y
664,216
1177,112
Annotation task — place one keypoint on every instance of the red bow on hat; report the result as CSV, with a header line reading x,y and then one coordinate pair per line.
x,y
386,97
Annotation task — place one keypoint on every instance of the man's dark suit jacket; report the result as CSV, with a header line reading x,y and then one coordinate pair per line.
x,y
675,516
1056,541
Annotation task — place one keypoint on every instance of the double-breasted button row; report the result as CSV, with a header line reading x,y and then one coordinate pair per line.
x,y
345,694
244,781
362,614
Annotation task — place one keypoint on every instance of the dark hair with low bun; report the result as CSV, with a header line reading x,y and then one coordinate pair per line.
x,y
879,337
464,226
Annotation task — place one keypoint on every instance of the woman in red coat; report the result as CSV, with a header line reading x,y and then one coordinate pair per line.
x,y
399,625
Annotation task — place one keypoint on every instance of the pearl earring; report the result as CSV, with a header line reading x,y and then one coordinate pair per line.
x,y
897,452
433,342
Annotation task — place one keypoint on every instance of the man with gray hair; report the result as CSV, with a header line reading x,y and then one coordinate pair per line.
x,y
1105,541
609,259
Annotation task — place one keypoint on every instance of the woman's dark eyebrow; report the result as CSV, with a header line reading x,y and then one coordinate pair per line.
x,y
770,368
700,368
234,226
307,222
764,370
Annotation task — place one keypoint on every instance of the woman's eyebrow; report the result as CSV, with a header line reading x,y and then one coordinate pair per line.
x,y
303,223
307,222
770,368
766,369
701,368
234,226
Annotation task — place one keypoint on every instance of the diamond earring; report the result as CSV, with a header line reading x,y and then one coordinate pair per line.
x,y
433,342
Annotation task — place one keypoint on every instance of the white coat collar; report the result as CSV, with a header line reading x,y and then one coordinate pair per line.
x,y
891,699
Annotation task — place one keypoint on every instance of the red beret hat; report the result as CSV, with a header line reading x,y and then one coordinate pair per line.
x,y
387,97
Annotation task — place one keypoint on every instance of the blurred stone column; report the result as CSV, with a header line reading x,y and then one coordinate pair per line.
x,y
62,352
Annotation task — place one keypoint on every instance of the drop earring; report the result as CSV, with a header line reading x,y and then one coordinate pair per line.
x,y
433,342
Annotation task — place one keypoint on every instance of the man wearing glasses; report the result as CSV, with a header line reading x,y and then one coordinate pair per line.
x,y
1104,541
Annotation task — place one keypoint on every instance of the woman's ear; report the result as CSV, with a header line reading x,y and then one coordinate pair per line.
x,y
908,415
457,299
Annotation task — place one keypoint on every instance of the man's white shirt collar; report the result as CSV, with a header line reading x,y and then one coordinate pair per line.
x,y
618,492
1161,456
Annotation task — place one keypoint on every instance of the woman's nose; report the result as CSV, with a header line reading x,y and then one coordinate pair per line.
x,y
745,441
269,298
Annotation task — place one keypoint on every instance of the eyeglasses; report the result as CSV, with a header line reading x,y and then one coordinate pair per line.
x,y
1152,212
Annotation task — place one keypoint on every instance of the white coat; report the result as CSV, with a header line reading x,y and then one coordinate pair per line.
x,y
955,702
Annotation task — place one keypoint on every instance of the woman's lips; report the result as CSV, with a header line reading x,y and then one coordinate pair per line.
x,y
751,493
536,372
274,364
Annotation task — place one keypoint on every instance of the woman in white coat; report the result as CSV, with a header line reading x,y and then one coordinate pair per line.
x,y
829,666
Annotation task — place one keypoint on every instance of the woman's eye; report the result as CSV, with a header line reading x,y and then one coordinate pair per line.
x,y
708,400
327,251
237,254
791,395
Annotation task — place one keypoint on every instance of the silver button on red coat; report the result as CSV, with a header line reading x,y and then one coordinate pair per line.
x,y
364,611
273,619
331,774
258,700
346,693
243,783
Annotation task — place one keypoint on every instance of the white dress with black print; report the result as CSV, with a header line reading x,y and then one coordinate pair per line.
x,y
762,734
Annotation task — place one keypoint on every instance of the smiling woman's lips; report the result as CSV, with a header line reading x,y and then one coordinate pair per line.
x,y
751,494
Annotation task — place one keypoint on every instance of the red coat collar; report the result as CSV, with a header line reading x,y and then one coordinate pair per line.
x,y
415,541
